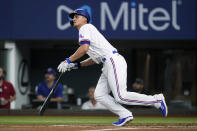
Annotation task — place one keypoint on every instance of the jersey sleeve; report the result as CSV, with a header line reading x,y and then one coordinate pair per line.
x,y
84,35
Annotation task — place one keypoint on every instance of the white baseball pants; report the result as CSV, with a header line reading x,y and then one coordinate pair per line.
x,y
114,78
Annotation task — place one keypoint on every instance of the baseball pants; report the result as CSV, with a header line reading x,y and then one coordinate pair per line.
x,y
114,78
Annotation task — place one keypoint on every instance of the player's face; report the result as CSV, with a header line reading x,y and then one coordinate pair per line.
x,y
79,20
49,77
137,86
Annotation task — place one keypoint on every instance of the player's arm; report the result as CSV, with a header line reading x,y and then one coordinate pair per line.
x,y
6,101
87,62
81,51
41,98
12,95
67,65
12,98
58,99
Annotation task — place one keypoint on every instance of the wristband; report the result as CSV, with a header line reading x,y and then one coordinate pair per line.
x,y
68,60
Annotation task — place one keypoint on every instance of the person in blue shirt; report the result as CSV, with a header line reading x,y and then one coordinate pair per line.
x,y
44,88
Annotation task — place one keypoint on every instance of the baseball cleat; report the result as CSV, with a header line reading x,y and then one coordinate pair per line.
x,y
163,107
123,121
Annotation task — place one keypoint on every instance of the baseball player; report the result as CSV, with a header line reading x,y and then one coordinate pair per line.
x,y
114,71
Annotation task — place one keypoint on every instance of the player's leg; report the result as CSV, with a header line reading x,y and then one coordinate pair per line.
x,y
117,77
102,95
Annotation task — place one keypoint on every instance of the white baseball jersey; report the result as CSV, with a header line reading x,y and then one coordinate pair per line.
x,y
99,46
114,75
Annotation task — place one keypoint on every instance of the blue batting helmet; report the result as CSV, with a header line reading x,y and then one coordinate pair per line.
x,y
80,12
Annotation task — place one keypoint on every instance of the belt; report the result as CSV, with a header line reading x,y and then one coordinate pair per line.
x,y
114,52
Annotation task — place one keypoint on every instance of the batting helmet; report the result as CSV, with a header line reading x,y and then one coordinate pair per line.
x,y
80,12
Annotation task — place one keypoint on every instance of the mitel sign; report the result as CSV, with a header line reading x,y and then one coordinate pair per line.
x,y
133,16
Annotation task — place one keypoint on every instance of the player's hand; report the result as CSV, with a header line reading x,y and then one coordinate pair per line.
x,y
73,66
63,66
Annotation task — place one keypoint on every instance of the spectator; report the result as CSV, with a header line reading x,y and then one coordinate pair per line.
x,y
138,86
44,88
7,92
92,104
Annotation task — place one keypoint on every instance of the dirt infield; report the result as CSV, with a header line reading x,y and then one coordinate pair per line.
x,y
97,128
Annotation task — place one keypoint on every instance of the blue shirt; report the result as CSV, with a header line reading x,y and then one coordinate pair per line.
x,y
43,90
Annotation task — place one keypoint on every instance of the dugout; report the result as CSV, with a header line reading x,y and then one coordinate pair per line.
x,y
168,67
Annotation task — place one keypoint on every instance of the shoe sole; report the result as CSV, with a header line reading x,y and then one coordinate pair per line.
x,y
124,123
164,102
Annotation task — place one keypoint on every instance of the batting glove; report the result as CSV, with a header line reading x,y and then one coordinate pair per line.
x,y
75,65
64,66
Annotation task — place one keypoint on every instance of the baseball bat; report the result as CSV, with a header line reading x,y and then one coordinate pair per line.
x,y
46,102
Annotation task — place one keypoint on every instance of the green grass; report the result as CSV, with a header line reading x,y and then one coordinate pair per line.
x,y
74,120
